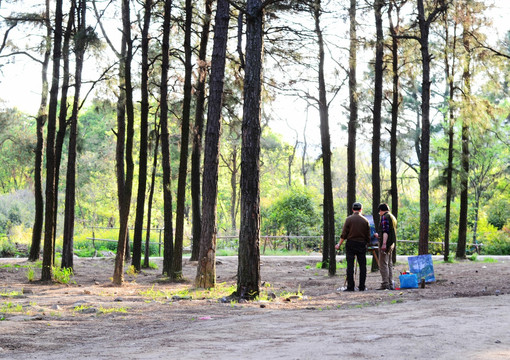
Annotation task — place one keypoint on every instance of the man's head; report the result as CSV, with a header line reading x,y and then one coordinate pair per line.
x,y
357,206
383,207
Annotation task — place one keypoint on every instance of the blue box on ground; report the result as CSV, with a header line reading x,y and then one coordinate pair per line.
x,y
408,281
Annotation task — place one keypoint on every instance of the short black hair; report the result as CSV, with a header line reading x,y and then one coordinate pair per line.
x,y
384,207
356,206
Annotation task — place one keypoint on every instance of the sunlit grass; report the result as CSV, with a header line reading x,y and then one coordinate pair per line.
x,y
219,291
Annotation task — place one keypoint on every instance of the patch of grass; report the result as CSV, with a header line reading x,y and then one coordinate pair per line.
x,y
30,274
490,260
11,293
226,252
131,271
219,291
473,257
10,307
37,264
103,310
63,275
81,307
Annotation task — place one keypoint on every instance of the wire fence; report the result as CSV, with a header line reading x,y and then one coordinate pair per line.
x,y
272,243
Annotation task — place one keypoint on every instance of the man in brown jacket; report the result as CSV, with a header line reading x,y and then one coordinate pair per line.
x,y
356,231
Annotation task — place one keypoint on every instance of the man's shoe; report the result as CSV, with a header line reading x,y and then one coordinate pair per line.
x,y
348,289
363,289
383,288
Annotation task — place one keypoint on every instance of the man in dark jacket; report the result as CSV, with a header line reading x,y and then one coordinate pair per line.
x,y
356,231
387,237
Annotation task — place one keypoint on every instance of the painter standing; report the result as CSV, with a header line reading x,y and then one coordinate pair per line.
x,y
387,236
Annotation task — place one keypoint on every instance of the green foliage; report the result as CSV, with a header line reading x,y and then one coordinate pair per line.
x,y
30,274
494,242
499,210
294,212
10,307
63,275
7,248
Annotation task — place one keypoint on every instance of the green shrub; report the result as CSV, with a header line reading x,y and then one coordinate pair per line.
x,y
7,248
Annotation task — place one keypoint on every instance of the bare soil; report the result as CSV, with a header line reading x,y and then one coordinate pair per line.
x,y
465,314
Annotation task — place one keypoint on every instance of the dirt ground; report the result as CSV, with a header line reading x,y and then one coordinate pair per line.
x,y
465,314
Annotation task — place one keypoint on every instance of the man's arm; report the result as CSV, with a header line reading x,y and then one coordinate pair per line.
x,y
337,246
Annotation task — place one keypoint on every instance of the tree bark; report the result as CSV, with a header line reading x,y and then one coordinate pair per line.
x,y
328,252
42,115
70,200
353,110
206,270
127,187
62,117
248,271
49,224
395,104
449,74
198,129
142,160
378,94
165,144
151,197
424,25
183,164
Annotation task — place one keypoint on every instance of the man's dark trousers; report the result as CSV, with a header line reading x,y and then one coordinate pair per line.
x,y
356,249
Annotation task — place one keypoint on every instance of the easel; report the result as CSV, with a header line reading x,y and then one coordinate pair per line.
x,y
374,249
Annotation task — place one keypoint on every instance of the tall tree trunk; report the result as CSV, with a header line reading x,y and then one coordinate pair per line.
x,y
464,176
206,270
424,25
449,74
353,110
463,212
70,204
168,239
248,271
183,163
49,224
127,187
395,104
62,117
378,94
142,162
234,170
196,152
328,252
35,247
151,197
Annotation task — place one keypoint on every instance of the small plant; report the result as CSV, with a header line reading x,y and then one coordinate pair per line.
x,y
474,257
10,294
153,265
9,307
30,274
307,267
81,307
131,271
63,275
103,310
490,260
